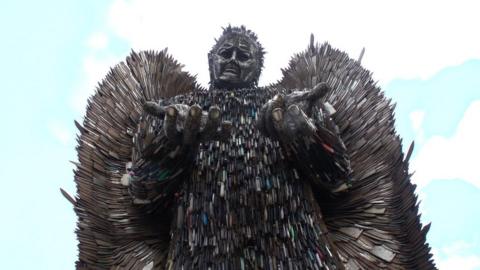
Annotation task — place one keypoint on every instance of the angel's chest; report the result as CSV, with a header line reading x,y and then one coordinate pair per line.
x,y
245,178
246,166
246,171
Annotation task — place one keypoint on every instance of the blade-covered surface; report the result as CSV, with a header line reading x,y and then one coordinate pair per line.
x,y
110,227
376,223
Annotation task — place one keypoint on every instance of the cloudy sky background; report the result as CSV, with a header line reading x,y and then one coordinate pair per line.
x,y
425,55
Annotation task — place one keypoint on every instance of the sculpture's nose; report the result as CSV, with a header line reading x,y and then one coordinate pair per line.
x,y
234,56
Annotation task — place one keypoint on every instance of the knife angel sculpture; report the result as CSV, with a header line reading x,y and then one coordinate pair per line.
x,y
307,173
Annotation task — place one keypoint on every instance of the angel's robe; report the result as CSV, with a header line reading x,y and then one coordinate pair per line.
x,y
246,202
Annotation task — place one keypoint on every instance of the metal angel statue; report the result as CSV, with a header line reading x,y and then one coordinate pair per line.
x,y
307,173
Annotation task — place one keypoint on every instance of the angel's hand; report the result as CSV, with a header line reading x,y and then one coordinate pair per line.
x,y
287,118
189,125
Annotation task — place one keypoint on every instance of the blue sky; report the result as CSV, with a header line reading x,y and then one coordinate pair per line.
x,y
448,179
54,53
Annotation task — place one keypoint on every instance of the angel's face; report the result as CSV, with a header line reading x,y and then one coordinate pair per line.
x,y
234,64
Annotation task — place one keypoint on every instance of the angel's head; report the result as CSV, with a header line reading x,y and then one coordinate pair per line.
x,y
236,59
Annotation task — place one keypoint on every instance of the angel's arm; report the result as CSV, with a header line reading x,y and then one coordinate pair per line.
x,y
302,123
323,157
166,144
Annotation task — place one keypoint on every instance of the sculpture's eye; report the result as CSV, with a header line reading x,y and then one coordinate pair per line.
x,y
242,56
226,53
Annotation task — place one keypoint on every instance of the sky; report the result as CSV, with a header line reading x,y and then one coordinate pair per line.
x,y
424,54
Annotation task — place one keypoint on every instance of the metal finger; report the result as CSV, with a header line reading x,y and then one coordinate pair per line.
x,y
212,125
278,101
170,125
278,119
318,91
308,96
153,108
192,124
276,104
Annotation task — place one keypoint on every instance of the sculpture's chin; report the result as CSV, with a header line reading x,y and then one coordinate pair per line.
x,y
227,83
230,77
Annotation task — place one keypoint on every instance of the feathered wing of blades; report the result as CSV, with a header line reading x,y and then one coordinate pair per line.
x,y
376,223
113,233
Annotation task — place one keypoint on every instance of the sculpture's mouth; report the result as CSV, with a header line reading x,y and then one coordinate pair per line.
x,y
231,70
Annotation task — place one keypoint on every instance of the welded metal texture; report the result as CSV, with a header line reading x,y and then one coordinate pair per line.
x,y
243,203
341,199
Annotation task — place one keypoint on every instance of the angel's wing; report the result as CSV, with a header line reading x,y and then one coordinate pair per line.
x,y
376,223
113,233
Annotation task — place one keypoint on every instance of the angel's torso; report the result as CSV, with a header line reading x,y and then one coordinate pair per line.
x,y
245,206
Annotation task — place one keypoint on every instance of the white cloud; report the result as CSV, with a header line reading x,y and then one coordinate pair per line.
x,y
97,41
406,39
457,248
456,262
451,158
416,117
60,132
453,257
